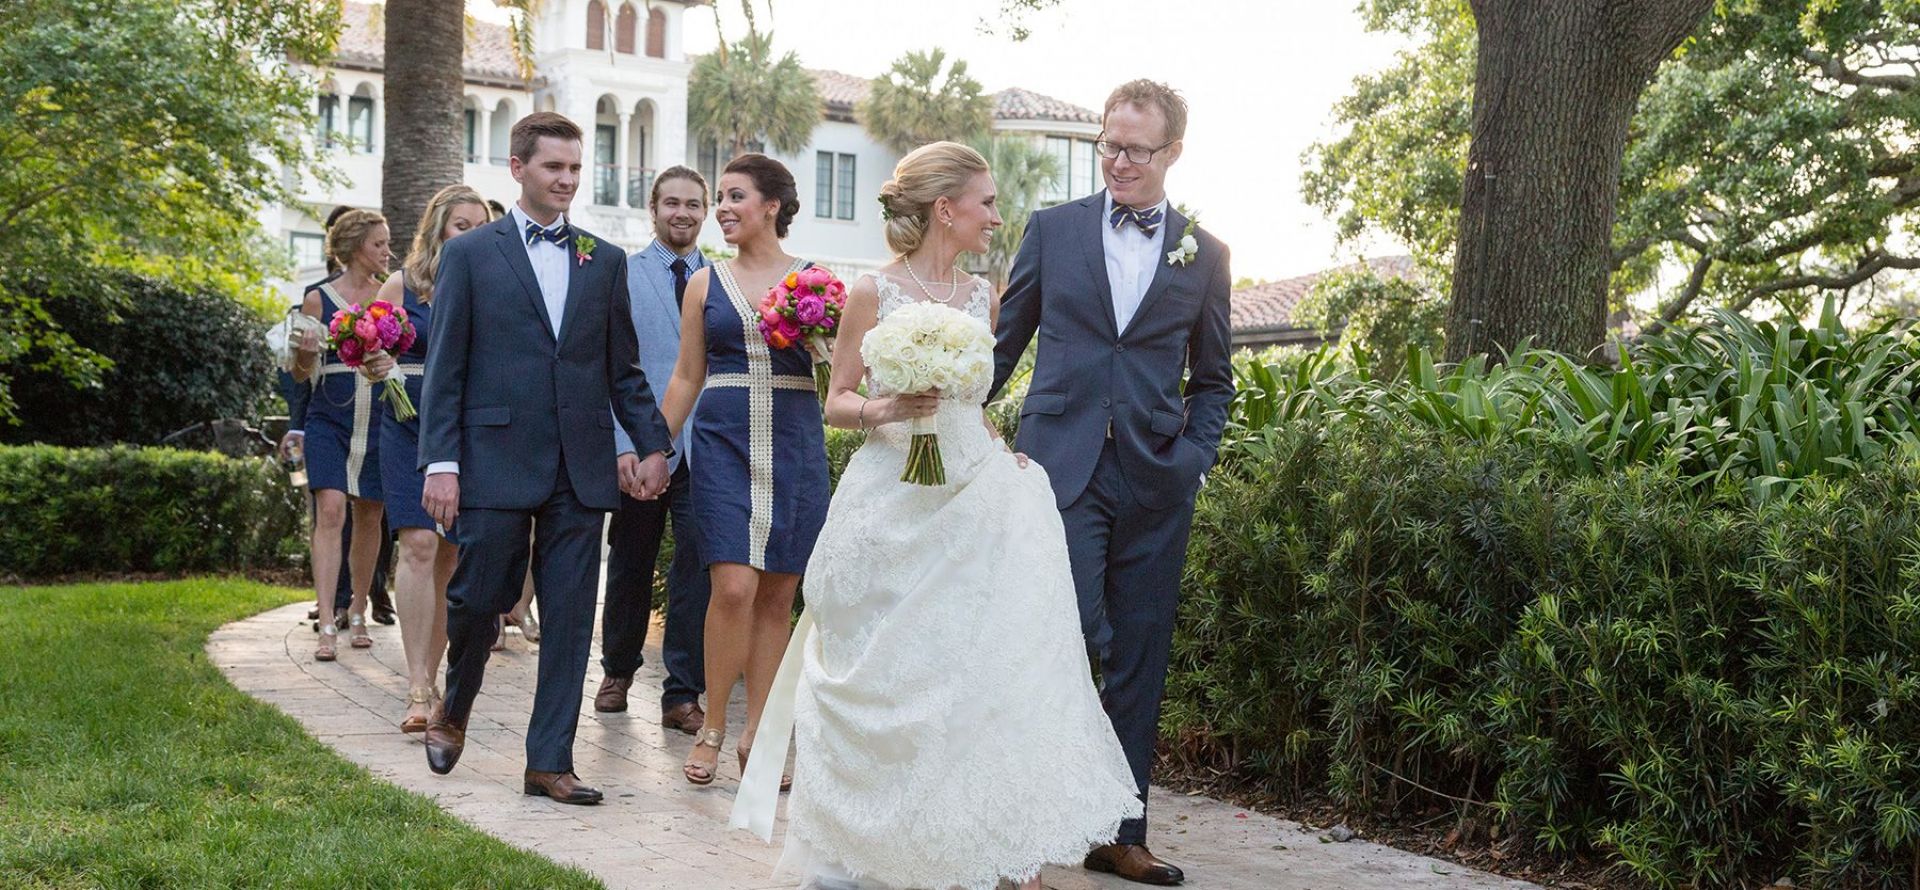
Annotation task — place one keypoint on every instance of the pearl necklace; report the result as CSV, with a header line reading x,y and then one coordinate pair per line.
x,y
953,289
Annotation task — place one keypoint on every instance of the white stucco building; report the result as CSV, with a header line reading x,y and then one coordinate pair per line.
x,y
619,69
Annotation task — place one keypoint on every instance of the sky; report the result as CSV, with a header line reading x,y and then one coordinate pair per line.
x,y
1260,78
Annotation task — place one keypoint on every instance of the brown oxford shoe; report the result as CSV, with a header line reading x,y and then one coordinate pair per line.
x,y
445,740
561,787
1135,863
612,695
685,716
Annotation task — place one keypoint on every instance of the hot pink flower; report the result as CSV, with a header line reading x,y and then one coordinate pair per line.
x,y
788,329
366,330
350,352
389,329
810,310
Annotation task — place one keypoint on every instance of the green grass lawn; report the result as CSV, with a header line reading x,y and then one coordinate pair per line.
x,y
126,760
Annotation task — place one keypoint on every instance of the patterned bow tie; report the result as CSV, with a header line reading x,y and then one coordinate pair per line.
x,y
1147,220
537,233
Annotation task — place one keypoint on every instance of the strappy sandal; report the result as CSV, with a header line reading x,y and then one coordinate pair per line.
x,y
325,651
419,695
699,773
358,625
786,781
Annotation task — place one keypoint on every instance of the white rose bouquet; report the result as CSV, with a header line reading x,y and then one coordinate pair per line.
x,y
924,347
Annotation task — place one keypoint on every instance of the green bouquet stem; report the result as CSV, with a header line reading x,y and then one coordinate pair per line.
x,y
822,375
397,395
924,466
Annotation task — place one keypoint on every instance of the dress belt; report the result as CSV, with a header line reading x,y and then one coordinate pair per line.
x,y
337,368
745,381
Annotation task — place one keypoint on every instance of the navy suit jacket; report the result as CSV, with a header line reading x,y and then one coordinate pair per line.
x,y
1090,377
508,397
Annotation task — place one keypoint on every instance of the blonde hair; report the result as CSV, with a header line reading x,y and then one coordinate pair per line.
x,y
423,261
350,232
925,175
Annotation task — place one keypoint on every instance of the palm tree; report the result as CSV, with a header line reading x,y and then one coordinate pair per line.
x,y
1021,173
742,94
911,105
425,40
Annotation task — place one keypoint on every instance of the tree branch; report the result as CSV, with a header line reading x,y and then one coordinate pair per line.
x,y
1833,67
1673,310
1870,265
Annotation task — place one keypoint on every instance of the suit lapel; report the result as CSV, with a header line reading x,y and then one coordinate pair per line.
x,y
576,279
1163,271
513,248
1094,246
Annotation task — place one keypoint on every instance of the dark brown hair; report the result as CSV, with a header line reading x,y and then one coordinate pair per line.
x,y
677,171
772,180
1151,94
528,130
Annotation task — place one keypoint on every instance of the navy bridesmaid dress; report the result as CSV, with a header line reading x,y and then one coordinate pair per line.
x,y
758,459
400,439
343,439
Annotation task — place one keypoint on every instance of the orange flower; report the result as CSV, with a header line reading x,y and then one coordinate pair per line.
x,y
778,340
793,280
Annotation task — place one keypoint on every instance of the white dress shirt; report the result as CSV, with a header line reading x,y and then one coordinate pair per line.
x,y
1130,261
552,271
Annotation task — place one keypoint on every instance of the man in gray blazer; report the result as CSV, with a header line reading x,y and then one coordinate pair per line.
x,y
657,278
1125,305
531,341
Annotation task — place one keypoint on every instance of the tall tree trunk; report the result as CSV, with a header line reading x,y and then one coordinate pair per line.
x,y
1555,88
424,44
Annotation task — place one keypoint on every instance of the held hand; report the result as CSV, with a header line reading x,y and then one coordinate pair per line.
x,y
654,477
629,474
441,498
898,408
1021,458
309,340
376,365
290,442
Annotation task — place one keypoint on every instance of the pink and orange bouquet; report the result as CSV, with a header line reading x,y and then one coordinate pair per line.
x,y
805,307
381,326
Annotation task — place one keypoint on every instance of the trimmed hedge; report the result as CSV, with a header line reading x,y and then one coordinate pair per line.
x,y
121,509
1713,689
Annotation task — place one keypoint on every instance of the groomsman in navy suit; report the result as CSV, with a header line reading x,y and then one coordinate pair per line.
x,y
1128,298
657,282
532,340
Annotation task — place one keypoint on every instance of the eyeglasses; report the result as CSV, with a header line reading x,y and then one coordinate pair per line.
x,y
1135,154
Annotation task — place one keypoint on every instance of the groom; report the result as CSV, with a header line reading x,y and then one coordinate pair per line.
x,y
1124,442
531,341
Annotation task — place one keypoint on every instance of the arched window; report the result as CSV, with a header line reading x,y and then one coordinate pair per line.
x,y
623,30
596,25
656,34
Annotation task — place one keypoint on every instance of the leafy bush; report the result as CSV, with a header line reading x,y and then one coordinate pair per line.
x,y
178,357
1710,687
75,510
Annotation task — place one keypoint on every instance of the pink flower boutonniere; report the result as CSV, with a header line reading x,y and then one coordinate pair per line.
x,y
583,249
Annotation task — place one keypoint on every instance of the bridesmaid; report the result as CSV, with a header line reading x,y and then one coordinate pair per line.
x,y
343,444
759,465
426,557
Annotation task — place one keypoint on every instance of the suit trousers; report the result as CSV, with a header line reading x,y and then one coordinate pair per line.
x,y
566,579
633,541
1127,562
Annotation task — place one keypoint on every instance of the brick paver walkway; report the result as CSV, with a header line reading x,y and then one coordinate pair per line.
x,y
655,830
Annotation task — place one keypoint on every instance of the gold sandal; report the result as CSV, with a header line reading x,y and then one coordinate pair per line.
x,y
325,651
419,695
786,781
701,774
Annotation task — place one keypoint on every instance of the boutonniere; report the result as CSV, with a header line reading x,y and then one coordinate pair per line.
x,y
583,249
1188,247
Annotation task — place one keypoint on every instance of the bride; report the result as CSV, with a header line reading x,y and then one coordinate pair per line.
x,y
946,728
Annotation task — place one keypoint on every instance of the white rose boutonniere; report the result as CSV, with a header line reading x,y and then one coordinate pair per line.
x,y
1184,252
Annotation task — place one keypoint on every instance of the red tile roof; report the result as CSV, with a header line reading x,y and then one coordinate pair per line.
x,y
1271,304
489,47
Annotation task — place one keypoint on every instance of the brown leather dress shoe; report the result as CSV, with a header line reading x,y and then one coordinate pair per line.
x,y
561,787
444,740
1135,863
612,695
685,716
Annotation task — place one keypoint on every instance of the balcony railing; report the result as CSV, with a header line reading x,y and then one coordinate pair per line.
x,y
640,187
606,184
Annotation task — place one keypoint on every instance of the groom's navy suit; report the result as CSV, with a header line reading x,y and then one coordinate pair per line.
x,y
1122,436
522,409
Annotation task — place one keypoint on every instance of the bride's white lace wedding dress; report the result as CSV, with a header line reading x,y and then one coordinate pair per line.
x,y
947,731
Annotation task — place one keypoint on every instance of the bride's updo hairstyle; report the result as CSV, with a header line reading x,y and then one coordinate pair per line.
x,y
921,178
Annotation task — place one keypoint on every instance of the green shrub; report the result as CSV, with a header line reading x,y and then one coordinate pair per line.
x,y
86,510
1713,689
178,357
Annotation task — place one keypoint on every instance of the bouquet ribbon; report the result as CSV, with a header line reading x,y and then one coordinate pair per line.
x,y
758,800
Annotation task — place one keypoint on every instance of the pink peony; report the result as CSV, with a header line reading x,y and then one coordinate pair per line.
x,y
770,315
350,352
389,329
406,341
366,330
787,329
814,278
836,291
386,307
811,310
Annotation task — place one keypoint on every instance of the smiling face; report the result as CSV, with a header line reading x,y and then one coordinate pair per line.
x,y
548,179
974,212
742,212
679,209
1138,127
463,218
